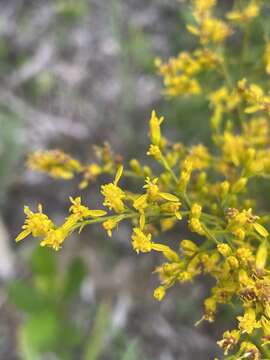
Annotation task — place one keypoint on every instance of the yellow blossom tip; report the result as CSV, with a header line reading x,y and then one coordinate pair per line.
x,y
118,174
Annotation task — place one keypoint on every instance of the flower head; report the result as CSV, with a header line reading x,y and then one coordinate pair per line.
x,y
159,293
82,211
141,242
54,162
113,194
245,15
55,238
36,224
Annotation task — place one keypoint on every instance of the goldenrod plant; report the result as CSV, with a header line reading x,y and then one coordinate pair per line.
x,y
205,188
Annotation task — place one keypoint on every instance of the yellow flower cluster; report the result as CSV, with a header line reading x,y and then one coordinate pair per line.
x,y
208,28
208,189
248,13
180,72
40,226
255,97
54,162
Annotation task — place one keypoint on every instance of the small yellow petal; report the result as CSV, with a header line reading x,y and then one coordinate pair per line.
x,y
142,221
97,213
118,174
260,229
169,197
22,235
160,247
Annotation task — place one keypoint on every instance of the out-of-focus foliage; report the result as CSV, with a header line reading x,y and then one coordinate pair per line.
x,y
46,301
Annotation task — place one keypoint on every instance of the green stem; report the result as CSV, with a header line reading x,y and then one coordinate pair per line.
x,y
210,235
104,218
168,168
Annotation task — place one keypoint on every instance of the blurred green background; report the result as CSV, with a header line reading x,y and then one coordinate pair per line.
x,y
75,73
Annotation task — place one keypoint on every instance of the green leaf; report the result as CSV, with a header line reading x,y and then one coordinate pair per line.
x,y
26,351
74,277
43,262
42,331
95,343
25,297
72,335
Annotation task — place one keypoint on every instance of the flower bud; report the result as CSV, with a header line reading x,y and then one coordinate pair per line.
x,y
154,151
147,172
224,188
233,262
224,249
154,124
196,211
135,166
188,247
239,185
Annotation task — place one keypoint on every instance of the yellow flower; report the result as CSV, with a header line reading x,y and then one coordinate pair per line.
x,y
154,151
185,175
210,306
224,249
159,293
211,30
55,163
36,224
222,101
172,207
245,15
90,173
153,192
189,248
249,351
152,189
199,157
196,226
55,238
113,194
82,211
209,262
230,339
254,96
110,224
140,203
202,7
177,73
141,242
248,323
154,123
196,211
239,185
